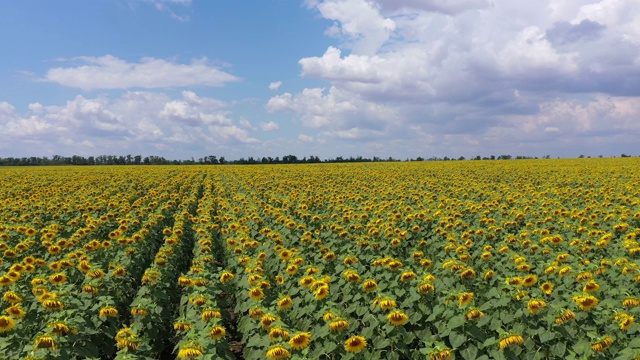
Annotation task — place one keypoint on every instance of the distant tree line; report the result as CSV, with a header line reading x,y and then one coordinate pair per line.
x,y
214,160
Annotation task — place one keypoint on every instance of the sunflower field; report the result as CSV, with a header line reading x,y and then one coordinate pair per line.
x,y
520,259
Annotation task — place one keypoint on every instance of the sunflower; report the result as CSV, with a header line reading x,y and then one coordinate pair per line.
x,y
630,302
426,288
277,332
300,340
190,351
407,276
397,318
11,297
465,298
266,320
306,281
369,285
511,339
58,279
386,304
328,316
489,274
440,354
15,311
61,329
108,311
6,280
52,305
566,315
547,288
256,293
45,342
530,280
474,314
255,313
591,286
586,302
338,325
6,323
626,323
211,314
181,326
355,344
278,352
602,344
217,332
321,292
285,303
535,305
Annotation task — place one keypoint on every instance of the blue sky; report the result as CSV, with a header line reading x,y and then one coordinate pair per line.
x,y
401,78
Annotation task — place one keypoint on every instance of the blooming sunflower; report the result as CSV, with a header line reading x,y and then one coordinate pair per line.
x,y
474,314
278,352
108,311
256,293
338,325
585,303
566,315
465,298
444,354
626,323
369,285
45,342
355,344
285,303
300,340
321,292
397,318
510,339
547,288
6,323
217,332
602,344
530,280
535,305
190,351
15,311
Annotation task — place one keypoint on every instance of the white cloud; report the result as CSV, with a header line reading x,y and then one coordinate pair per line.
x,y
36,107
275,85
305,138
168,7
472,75
269,126
360,22
134,122
110,72
246,124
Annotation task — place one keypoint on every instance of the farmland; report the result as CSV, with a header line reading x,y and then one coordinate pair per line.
x,y
527,259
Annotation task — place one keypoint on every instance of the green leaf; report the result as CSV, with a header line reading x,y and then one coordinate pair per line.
x,y
558,349
546,336
455,322
470,352
382,343
456,339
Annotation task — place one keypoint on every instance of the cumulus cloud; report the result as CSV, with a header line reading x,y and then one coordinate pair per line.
x,y
470,73
305,138
275,85
134,122
359,21
563,32
110,72
269,126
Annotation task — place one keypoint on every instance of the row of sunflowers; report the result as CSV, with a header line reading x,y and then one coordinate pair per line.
x,y
464,260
